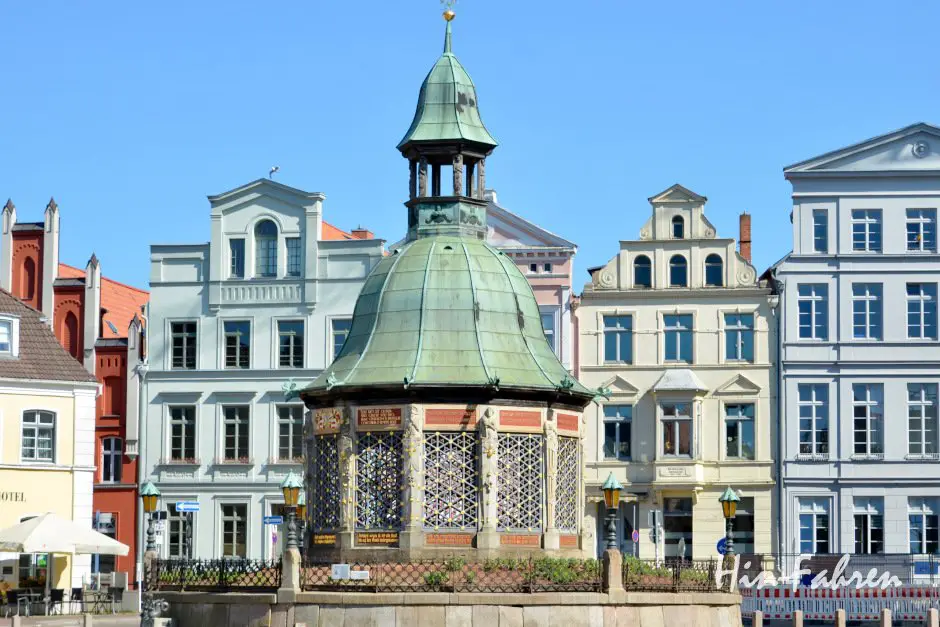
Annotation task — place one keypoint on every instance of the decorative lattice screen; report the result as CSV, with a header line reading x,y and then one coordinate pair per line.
x,y
566,484
378,481
519,489
450,480
323,492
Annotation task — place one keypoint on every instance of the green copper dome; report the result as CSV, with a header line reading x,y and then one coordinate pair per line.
x,y
447,312
447,105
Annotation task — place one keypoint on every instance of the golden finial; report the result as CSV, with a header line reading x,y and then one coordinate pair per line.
x,y
449,15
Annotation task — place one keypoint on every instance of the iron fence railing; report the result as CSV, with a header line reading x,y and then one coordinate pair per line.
x,y
673,576
456,574
218,575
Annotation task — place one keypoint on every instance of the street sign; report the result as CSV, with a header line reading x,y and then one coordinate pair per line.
x,y
274,520
635,536
722,546
187,506
361,575
159,527
339,571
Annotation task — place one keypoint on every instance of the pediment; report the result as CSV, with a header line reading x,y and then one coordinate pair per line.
x,y
509,230
263,192
738,385
619,386
914,148
676,193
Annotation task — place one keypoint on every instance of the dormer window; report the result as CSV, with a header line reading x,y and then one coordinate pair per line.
x,y
678,227
266,249
9,337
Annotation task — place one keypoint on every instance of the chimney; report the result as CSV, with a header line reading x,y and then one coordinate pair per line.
x,y
361,233
50,258
92,309
744,237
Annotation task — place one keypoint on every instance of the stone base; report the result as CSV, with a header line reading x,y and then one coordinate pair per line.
x,y
411,539
613,570
488,539
345,539
551,539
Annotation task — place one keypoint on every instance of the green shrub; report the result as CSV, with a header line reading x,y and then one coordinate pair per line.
x,y
435,579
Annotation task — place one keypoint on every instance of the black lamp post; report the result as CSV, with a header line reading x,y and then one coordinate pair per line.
x,y
302,518
150,607
612,489
729,505
291,488
149,493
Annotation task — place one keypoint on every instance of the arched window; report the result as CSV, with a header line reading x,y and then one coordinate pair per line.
x,y
266,249
678,272
642,272
678,227
70,334
28,289
714,271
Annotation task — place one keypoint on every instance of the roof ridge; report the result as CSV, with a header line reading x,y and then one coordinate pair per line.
x,y
108,279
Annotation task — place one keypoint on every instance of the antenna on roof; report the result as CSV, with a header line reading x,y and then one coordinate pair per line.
x,y
274,170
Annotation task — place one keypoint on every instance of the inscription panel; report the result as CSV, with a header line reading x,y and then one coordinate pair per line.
x,y
568,422
448,539
521,539
460,418
373,418
385,538
520,419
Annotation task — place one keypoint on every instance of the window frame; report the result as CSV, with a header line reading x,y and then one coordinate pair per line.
x,y
922,225
818,305
740,420
295,258
874,425
236,259
13,324
824,226
238,417
868,224
814,403
866,510
678,330
551,335
37,427
673,422
868,302
743,335
333,349
673,266
271,243
238,353
244,520
648,267
621,423
815,508
295,432
117,459
924,509
297,348
924,305
710,264
621,334
923,404
680,222
184,335
186,423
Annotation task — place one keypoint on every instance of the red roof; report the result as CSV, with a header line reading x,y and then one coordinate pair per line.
x,y
331,232
121,301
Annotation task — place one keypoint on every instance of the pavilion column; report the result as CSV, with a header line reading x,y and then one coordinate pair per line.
x,y
458,174
412,178
422,177
347,478
551,538
471,180
412,493
481,177
488,537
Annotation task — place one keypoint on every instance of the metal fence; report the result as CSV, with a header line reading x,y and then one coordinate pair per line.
x,y
216,575
673,576
456,574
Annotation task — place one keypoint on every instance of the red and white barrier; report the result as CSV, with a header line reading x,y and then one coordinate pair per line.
x,y
779,602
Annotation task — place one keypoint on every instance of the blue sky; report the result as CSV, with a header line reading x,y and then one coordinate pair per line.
x,y
131,113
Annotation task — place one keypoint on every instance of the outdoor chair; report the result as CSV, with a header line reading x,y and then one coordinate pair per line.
x,y
55,601
77,597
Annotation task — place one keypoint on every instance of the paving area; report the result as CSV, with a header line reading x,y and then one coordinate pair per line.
x,y
120,620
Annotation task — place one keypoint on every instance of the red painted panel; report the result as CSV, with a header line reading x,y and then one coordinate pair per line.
x,y
512,418
568,422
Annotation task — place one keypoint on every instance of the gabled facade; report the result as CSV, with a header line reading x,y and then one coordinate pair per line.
x,y
679,330
235,324
99,322
859,349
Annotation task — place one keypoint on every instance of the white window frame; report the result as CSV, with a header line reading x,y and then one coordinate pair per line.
x,y
619,331
824,223
917,410
684,284
815,403
276,356
815,507
170,335
740,420
267,238
739,329
869,224
869,403
221,526
231,257
678,330
13,324
223,340
551,312
922,302
871,511
117,458
919,219
622,423
238,424
921,508
169,433
721,268
867,302
300,256
331,351
36,427
819,294
296,431
674,422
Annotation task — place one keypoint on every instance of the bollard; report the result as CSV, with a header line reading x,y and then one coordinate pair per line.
x,y
798,618
758,620
933,617
840,617
17,621
885,618
88,620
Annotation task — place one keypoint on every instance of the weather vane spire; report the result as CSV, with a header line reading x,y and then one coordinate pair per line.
x,y
448,15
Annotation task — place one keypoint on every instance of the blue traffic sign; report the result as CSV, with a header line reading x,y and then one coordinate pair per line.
x,y
273,520
722,546
187,506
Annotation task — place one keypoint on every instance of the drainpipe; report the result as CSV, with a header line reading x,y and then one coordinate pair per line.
x,y
778,464
141,445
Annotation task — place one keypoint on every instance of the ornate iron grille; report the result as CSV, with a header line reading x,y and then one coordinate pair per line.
x,y
324,492
519,488
566,484
450,480
378,481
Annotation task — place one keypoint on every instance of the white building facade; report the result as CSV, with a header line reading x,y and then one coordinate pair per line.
x,y
235,325
860,363
679,330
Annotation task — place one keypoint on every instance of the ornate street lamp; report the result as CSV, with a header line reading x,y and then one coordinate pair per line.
x,y
302,514
291,488
729,505
149,493
150,607
612,489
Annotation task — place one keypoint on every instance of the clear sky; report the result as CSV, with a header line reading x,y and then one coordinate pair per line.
x,y
130,113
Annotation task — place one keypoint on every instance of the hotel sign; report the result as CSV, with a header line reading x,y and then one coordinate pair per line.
x,y
12,497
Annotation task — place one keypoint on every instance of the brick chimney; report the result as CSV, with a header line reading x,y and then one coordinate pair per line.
x,y
744,236
361,233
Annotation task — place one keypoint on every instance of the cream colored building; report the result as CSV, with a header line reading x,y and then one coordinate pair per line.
x,y
47,429
679,330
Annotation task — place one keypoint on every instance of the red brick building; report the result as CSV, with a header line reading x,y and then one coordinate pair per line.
x,y
100,323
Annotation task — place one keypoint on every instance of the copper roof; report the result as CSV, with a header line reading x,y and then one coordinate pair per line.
x,y
41,357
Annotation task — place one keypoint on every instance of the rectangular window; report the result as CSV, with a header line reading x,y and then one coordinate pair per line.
x,y
678,338
237,344
38,436
548,326
236,251
617,431
739,431
922,420
868,406
547,267
739,337
106,524
866,311
290,432
236,433
290,338
814,526
744,526
341,327
533,268
294,258
6,337
677,429
176,523
618,339
183,340
813,311
814,419
677,528
866,230
869,526
922,515
183,434
111,457
922,311
234,530
820,230
922,230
